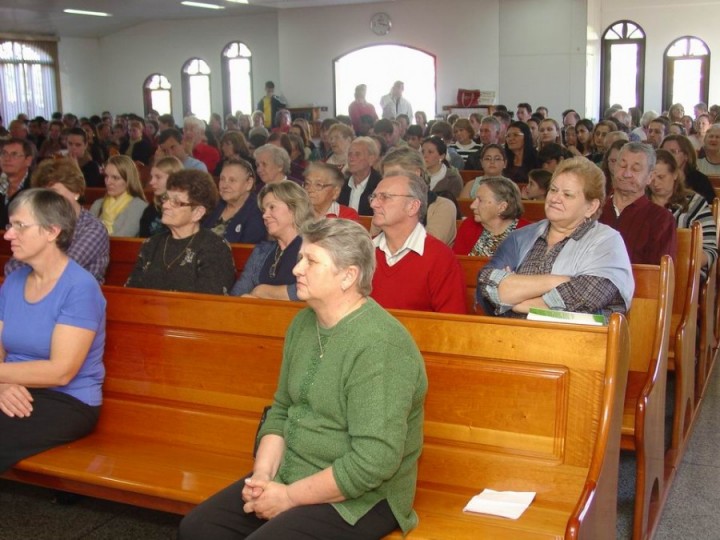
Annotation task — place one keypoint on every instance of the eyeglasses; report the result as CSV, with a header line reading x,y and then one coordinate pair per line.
x,y
19,226
513,134
315,186
11,155
174,203
384,197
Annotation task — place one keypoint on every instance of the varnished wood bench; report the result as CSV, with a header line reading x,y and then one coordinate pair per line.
x,y
511,406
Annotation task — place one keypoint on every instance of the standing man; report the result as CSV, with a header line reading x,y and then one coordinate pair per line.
x,y
647,229
414,269
16,158
394,103
270,105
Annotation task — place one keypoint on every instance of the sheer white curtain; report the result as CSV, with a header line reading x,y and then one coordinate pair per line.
x,y
28,78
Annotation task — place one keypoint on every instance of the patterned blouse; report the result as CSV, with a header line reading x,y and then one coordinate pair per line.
x,y
487,243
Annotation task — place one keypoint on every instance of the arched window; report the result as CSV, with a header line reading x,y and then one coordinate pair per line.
x,y
416,68
28,78
622,77
237,78
196,88
157,94
686,73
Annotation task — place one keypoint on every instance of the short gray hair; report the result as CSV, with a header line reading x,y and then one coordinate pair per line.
x,y
348,243
279,156
640,148
331,173
494,122
408,159
418,190
507,191
369,143
647,117
294,196
50,209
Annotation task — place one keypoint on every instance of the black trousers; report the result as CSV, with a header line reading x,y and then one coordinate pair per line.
x,y
57,418
221,517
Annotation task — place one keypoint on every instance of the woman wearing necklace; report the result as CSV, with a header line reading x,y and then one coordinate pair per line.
x,y
268,272
497,209
236,217
185,257
338,451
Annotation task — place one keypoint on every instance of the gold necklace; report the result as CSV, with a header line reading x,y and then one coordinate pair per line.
x,y
182,252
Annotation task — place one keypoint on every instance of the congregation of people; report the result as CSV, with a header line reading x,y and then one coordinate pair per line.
x,y
363,218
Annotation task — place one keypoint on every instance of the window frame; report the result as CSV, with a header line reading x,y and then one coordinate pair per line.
x,y
147,92
669,71
605,74
185,85
226,82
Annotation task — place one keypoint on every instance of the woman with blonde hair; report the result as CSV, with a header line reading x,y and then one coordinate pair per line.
x,y
123,206
151,220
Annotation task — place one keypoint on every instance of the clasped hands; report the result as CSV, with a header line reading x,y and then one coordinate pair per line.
x,y
15,400
264,497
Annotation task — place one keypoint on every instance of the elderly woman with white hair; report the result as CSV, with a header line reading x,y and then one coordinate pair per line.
x,y
273,165
348,469
195,142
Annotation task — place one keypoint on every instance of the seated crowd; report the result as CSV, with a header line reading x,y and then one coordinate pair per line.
x,y
614,195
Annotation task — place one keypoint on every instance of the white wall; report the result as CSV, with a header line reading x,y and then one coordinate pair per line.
x,y
543,53
463,34
131,55
663,22
80,76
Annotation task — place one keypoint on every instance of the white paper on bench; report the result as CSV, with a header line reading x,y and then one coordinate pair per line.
x,y
509,504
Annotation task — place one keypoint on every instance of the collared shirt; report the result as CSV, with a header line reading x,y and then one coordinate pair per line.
x,y
414,242
356,191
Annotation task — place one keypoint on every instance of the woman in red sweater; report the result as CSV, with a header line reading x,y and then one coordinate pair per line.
x,y
323,183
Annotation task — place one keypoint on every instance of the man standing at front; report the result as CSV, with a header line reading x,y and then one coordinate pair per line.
x,y
394,103
414,270
647,229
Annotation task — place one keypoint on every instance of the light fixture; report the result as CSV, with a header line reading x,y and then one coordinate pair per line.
x,y
239,1
83,12
202,5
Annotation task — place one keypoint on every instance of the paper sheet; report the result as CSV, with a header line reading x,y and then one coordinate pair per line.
x,y
509,504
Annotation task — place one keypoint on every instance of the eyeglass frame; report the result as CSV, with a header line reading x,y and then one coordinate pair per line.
x,y
174,203
383,197
316,186
20,227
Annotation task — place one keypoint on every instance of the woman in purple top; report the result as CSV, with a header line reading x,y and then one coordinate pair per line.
x,y
52,333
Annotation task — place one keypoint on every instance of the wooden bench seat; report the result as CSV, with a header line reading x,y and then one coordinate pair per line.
x,y
511,406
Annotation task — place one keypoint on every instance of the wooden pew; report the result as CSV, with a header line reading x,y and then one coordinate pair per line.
x,y
643,429
683,329
469,175
533,210
511,406
124,253
708,319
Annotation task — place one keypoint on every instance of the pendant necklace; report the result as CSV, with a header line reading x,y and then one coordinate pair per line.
x,y
182,252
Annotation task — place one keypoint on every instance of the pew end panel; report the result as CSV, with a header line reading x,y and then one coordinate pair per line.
x,y
643,429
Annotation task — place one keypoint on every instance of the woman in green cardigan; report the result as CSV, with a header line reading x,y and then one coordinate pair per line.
x,y
338,451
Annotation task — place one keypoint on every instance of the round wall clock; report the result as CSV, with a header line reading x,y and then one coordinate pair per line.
x,y
381,24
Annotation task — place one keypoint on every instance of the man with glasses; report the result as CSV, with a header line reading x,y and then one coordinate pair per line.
x,y
414,269
16,157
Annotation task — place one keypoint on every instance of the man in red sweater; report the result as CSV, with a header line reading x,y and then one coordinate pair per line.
x,y
414,270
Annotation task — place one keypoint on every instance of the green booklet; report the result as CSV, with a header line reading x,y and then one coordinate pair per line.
x,y
552,315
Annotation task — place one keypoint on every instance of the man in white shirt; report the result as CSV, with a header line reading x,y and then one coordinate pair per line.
x,y
394,103
362,155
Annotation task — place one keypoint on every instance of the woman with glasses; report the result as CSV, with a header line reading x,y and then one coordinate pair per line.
x,y
493,162
186,257
236,217
123,206
268,272
323,183
52,328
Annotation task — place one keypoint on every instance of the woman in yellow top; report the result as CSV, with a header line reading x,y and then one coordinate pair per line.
x,y
123,206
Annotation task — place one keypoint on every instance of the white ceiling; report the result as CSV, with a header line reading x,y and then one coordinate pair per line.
x,y
46,16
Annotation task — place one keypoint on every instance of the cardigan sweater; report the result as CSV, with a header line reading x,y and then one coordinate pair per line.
x,y
432,281
127,223
358,410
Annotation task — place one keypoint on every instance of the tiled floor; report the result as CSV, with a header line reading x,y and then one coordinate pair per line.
x,y
27,513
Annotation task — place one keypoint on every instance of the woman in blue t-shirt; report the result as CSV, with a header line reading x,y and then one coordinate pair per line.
x,y
52,333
